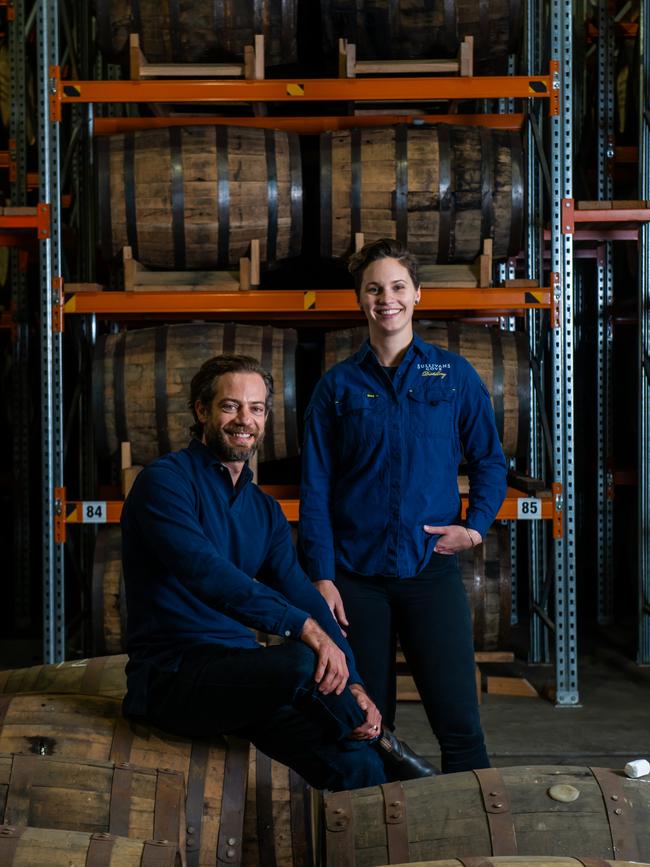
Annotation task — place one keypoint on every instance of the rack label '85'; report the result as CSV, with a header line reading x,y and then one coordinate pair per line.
x,y
529,509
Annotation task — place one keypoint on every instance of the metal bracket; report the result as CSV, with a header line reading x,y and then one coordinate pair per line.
x,y
59,516
558,510
556,298
567,215
554,102
55,94
43,220
57,305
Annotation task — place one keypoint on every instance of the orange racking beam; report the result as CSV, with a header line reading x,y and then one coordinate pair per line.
x,y
306,125
302,90
293,301
111,510
27,218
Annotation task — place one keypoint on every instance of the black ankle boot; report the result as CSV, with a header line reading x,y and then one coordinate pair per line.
x,y
400,762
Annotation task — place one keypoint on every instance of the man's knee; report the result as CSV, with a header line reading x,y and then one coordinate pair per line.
x,y
299,660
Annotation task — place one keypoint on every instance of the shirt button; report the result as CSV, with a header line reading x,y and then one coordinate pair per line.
x,y
287,633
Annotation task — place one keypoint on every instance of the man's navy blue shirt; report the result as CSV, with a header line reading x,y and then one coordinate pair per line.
x,y
203,561
381,457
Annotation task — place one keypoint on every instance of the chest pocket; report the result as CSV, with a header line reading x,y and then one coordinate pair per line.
x,y
360,418
431,411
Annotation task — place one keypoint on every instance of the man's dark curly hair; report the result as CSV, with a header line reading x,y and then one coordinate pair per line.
x,y
204,382
384,248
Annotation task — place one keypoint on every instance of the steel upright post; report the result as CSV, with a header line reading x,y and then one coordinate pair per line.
x,y
538,646
566,664
20,380
604,327
51,343
643,653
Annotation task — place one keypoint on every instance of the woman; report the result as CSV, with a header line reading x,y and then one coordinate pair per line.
x,y
379,505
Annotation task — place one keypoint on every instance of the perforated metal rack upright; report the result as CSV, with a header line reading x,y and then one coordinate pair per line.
x,y
604,336
50,336
566,662
20,380
643,655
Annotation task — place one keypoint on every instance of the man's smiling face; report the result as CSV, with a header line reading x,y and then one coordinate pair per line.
x,y
233,424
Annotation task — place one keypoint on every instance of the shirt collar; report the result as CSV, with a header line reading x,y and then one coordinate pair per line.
x,y
209,459
418,346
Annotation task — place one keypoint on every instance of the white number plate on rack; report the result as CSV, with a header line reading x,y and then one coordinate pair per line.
x,y
529,509
93,512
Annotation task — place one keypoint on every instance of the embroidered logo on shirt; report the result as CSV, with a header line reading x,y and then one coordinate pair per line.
x,y
434,366
433,373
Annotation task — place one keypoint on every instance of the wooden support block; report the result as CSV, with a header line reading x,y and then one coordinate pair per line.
x,y
405,67
526,484
126,459
83,287
347,59
477,676
258,66
521,284
128,476
485,264
358,241
244,273
466,56
136,57
449,276
518,686
494,656
255,262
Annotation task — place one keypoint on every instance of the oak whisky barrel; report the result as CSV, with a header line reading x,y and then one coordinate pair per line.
x,y
196,196
486,575
521,811
90,728
99,675
141,385
22,846
499,357
415,30
204,31
77,795
439,189
278,818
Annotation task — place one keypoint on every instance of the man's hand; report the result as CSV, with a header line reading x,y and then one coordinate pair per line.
x,y
371,728
330,593
453,538
332,668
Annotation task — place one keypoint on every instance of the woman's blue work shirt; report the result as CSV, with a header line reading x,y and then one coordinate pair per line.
x,y
381,457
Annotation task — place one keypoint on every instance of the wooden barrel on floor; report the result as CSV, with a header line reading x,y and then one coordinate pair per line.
x,y
524,861
499,357
89,728
22,846
208,31
108,598
196,196
498,811
439,189
278,819
50,792
141,385
412,30
487,579
99,675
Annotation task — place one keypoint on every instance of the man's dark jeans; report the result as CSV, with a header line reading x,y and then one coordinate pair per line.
x,y
269,696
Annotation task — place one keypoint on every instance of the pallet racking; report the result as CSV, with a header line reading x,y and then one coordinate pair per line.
x,y
555,88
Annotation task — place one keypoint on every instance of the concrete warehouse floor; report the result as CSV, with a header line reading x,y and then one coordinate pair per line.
x,y
611,727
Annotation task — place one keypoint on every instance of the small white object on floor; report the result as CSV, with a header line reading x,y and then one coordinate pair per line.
x,y
637,768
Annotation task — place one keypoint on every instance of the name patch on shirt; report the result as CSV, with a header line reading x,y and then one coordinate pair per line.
x,y
432,369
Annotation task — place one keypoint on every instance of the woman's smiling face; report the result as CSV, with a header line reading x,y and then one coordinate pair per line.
x,y
387,296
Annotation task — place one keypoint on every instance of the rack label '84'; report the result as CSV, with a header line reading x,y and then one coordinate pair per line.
x,y
93,512
529,509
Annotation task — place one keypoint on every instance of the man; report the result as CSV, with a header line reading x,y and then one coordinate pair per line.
x,y
208,557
